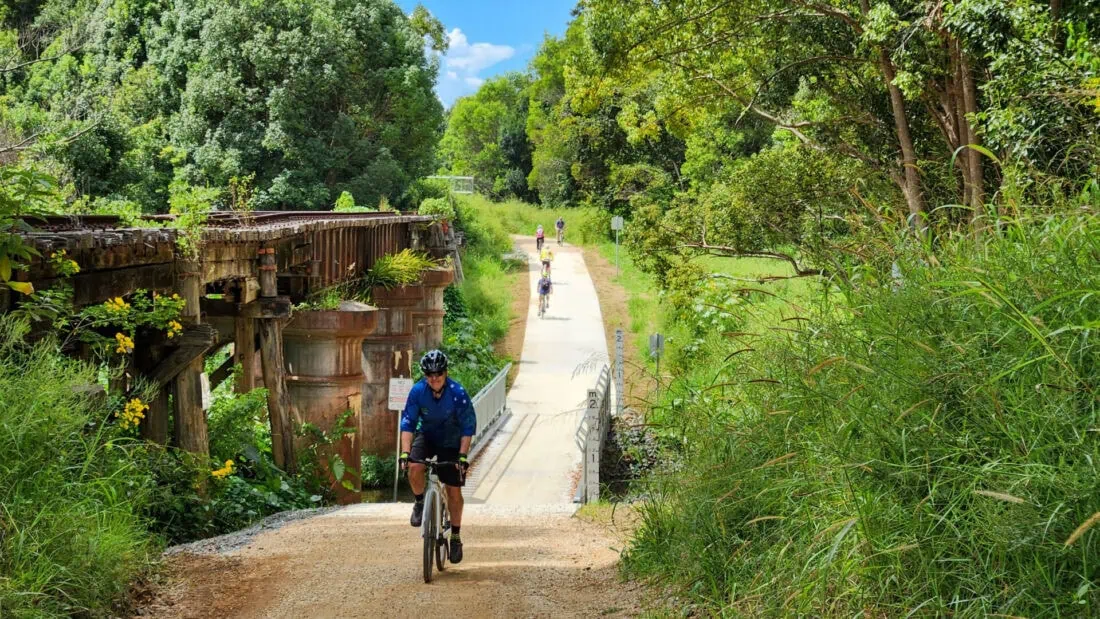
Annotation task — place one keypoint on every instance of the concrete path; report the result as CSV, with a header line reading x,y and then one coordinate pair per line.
x,y
534,457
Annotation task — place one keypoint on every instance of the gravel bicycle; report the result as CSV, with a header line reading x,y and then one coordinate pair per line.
x,y
561,236
437,520
544,302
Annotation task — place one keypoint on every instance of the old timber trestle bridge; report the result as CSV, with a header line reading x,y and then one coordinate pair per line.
x,y
250,272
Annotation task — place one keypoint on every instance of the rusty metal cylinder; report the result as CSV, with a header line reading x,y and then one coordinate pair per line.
x,y
387,353
428,315
324,365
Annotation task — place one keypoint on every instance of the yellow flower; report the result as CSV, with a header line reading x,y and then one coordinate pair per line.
x,y
174,328
125,343
132,414
223,472
117,305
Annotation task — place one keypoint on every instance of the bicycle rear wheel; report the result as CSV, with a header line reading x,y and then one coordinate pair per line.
x,y
431,532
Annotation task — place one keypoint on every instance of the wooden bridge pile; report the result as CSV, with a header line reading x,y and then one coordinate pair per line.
x,y
239,288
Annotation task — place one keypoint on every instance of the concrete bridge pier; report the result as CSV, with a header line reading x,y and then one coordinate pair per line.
x,y
324,364
428,314
387,354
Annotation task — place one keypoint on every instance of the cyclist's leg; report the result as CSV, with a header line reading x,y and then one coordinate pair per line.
x,y
453,482
417,472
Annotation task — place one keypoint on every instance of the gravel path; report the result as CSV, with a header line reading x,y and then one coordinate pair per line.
x,y
364,561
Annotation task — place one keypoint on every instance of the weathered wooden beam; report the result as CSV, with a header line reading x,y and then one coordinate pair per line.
x,y
219,375
244,352
190,417
154,426
269,308
278,398
194,342
98,286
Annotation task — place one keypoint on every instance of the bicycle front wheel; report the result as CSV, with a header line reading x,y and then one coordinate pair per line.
x,y
431,532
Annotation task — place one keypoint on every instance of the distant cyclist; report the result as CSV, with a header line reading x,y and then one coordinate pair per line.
x,y
539,238
560,225
545,288
441,414
546,257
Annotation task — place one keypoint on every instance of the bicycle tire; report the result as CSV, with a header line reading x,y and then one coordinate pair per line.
x,y
430,535
441,548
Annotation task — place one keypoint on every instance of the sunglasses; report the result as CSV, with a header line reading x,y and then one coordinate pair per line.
x,y
433,374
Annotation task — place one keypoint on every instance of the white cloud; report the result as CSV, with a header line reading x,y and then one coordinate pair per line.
x,y
473,58
463,63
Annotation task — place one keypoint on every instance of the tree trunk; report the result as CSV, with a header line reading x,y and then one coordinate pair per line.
x,y
910,180
911,186
1055,25
970,108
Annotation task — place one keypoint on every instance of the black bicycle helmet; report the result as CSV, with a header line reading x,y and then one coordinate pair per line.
x,y
433,362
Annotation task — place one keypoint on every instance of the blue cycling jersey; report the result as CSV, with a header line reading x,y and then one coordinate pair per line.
x,y
443,422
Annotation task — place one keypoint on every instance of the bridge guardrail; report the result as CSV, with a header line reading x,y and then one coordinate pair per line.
x,y
591,434
491,405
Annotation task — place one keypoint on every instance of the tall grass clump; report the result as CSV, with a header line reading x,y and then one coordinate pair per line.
x,y
71,534
923,443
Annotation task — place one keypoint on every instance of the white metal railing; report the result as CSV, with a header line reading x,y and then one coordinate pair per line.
x,y
490,404
591,435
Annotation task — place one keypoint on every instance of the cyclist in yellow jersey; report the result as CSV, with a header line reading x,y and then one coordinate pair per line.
x,y
546,257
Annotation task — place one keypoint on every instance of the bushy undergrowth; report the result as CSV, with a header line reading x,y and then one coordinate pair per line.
x,y
72,493
85,506
921,444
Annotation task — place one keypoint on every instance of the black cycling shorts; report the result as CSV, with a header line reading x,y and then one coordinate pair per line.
x,y
424,450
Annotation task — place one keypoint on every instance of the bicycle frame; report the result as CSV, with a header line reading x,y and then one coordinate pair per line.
x,y
437,518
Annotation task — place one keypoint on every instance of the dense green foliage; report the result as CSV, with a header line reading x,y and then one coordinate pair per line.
x,y
928,443
274,104
741,127
486,138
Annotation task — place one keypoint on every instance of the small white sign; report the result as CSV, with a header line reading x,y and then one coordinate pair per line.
x,y
616,223
399,392
204,381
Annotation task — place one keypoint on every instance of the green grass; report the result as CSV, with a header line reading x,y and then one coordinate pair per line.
x,y
582,225
926,447
72,534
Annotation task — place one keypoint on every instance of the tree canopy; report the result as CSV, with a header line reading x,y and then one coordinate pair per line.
x,y
295,102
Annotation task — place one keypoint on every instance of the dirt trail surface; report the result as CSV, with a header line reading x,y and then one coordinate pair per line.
x,y
364,561
526,554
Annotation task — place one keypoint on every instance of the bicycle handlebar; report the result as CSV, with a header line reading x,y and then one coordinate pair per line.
x,y
433,462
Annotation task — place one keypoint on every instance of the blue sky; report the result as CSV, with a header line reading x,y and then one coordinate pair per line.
x,y
490,37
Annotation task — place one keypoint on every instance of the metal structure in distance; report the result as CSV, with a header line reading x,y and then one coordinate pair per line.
x,y
459,184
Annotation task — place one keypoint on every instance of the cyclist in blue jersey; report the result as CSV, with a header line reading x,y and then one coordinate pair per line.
x,y
438,420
